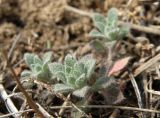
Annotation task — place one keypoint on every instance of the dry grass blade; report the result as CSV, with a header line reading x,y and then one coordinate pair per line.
x,y
136,89
9,104
146,65
111,107
20,112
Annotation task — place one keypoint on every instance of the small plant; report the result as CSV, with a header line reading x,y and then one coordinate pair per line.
x,y
107,29
73,74
38,67
76,74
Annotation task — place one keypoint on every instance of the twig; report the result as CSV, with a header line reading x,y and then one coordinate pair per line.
x,y
64,104
146,65
20,112
17,38
29,100
9,104
136,89
132,26
110,107
46,114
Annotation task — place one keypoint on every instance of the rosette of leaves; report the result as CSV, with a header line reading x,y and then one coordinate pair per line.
x,y
39,68
107,28
74,74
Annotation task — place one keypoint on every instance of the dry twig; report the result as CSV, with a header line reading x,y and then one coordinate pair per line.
x,y
29,100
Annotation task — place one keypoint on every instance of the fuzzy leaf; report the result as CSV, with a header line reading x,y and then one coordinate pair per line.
x,y
29,58
26,74
81,92
89,65
62,88
99,18
100,26
81,81
61,76
112,17
102,83
69,61
37,60
118,65
98,45
37,68
47,57
56,67
123,31
96,33
71,80
78,69
42,76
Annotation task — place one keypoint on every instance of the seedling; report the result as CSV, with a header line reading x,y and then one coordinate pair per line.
x,y
39,69
75,75
107,28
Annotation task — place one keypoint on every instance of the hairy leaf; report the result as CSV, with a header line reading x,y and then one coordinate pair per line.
x,y
98,45
69,61
56,67
81,92
81,81
47,57
112,17
96,33
103,82
99,18
62,88
29,58
26,74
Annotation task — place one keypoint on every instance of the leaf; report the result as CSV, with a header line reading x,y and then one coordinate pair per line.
x,y
111,33
78,69
96,33
112,94
112,17
62,88
118,65
89,65
43,77
29,58
98,45
100,26
81,92
47,57
102,83
69,60
56,67
26,74
37,60
71,81
61,76
124,30
81,81
99,18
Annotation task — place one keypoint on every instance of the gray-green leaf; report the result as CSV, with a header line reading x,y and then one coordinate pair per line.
x,y
29,58
112,17
69,60
47,57
62,88
26,74
96,33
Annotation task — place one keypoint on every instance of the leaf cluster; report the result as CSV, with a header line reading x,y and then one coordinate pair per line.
x,y
39,68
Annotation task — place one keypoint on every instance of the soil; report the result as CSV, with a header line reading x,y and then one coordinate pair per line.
x,y
39,26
